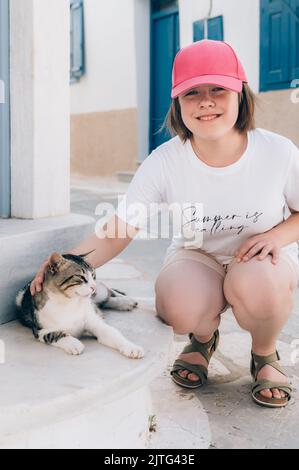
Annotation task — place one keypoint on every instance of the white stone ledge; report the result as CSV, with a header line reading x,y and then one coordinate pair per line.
x,y
25,244
99,399
16,227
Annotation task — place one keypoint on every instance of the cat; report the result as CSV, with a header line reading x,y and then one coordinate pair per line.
x,y
68,307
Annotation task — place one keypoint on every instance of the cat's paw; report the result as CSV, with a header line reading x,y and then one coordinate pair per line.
x,y
133,351
71,345
127,303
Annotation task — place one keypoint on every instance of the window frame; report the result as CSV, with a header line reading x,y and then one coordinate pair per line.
x,y
77,41
199,28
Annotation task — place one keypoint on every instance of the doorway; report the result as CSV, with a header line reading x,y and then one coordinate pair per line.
x,y
164,46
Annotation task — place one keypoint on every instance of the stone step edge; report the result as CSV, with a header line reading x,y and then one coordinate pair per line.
x,y
22,416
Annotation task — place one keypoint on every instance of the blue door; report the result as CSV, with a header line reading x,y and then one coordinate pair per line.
x,y
294,72
164,46
4,111
279,44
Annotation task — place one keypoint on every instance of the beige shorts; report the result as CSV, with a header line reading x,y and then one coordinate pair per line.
x,y
222,269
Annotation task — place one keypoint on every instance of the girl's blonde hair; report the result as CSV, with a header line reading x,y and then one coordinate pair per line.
x,y
174,124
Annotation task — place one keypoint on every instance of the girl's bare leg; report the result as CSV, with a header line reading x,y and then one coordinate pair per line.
x,y
189,297
261,295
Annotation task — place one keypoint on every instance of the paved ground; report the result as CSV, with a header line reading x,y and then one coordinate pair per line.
x,y
220,415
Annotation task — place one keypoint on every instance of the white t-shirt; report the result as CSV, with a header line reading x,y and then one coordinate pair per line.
x,y
237,201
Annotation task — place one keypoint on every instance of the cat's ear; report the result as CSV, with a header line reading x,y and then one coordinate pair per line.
x,y
55,262
86,254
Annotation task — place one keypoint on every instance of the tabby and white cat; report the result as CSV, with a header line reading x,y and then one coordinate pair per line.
x,y
68,307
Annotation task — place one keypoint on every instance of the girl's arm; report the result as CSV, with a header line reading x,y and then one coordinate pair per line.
x,y
113,238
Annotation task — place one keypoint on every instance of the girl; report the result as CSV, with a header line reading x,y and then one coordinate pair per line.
x,y
233,184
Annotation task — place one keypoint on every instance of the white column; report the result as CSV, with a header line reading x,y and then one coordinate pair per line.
x,y
40,108
142,45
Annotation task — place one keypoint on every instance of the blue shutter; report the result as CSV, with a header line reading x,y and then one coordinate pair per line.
x,y
294,47
77,58
198,30
215,29
279,43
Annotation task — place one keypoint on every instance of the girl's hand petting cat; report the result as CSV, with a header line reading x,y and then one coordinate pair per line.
x,y
37,283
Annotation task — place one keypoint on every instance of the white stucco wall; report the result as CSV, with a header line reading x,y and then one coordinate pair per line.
x,y
241,29
110,80
142,44
117,41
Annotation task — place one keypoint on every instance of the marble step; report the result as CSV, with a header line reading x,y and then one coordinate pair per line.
x,y
99,399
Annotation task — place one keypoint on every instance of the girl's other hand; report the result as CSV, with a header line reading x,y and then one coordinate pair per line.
x,y
260,246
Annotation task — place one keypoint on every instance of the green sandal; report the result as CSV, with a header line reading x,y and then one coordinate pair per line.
x,y
257,362
207,350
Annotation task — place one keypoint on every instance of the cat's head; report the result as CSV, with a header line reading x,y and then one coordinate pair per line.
x,y
71,275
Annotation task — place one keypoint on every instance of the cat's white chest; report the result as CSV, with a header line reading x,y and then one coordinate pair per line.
x,y
68,315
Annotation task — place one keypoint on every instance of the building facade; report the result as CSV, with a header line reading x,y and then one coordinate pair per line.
x,y
120,102
35,217
118,56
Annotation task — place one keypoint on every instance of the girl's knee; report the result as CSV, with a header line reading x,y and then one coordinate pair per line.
x,y
187,318
259,282
201,328
262,308
185,302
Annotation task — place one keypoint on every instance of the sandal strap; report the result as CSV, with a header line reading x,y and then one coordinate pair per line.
x,y
206,349
197,369
258,362
259,385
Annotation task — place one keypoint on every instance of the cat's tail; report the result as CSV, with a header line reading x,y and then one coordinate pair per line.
x,y
20,297
113,294
24,309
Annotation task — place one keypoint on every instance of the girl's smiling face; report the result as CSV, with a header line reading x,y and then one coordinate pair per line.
x,y
209,100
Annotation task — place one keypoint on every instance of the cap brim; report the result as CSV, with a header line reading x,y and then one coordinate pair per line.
x,y
233,84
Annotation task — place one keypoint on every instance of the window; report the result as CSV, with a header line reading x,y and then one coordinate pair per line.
x,y
77,59
158,5
279,47
214,29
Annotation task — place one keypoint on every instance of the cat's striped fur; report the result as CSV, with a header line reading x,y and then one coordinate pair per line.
x,y
68,307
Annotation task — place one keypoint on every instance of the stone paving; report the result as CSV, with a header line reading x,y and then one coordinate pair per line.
x,y
221,414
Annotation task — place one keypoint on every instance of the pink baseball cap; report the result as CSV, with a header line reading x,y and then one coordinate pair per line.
x,y
207,62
